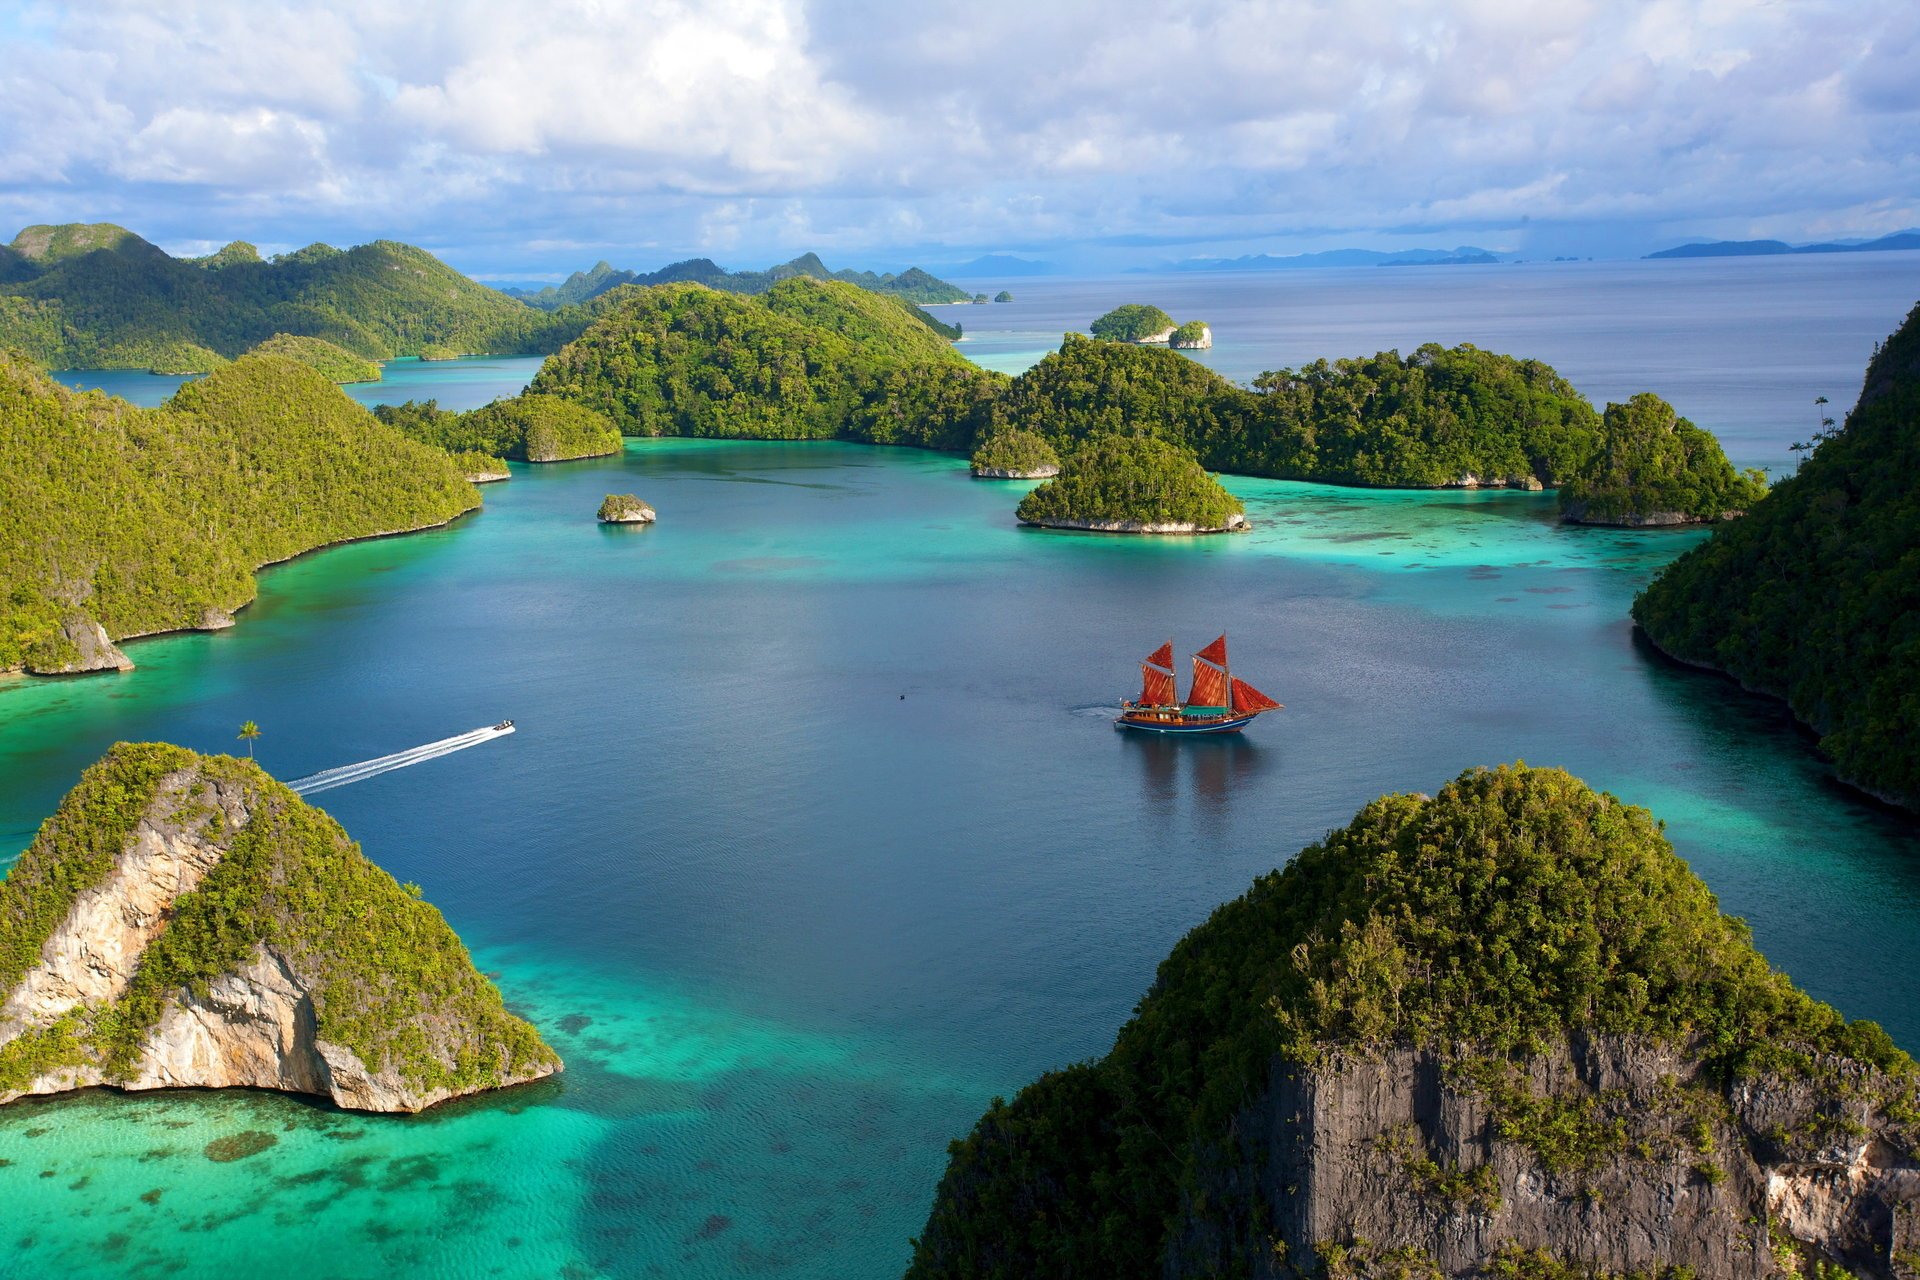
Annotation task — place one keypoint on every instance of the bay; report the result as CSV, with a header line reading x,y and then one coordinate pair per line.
x,y
815,835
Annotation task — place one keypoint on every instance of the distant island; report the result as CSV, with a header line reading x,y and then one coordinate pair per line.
x,y
913,284
1500,1031
1463,255
1132,484
97,296
119,522
1652,467
1133,322
185,921
1813,597
1771,248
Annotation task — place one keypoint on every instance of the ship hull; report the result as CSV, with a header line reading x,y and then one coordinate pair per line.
x,y
1184,726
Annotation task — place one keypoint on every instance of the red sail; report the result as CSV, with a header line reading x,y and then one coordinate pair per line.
x,y
1156,687
1163,656
1209,686
1248,698
1215,653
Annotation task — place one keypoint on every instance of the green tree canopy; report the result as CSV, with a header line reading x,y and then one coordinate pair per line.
x,y
1131,322
1131,479
1814,597
146,520
1650,462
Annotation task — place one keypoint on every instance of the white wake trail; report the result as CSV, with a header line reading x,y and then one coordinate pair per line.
x,y
341,775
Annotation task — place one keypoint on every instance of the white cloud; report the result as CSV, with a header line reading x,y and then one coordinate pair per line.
x,y
747,125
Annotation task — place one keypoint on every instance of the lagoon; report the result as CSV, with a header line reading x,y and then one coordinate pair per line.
x,y
815,835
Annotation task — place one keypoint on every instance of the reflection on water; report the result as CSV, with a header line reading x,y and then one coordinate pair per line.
x,y
1208,769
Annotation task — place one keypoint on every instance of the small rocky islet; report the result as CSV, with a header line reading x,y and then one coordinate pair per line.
x,y
185,921
625,508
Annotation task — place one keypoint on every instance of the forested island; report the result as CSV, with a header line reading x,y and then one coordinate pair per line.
x,y
186,921
1815,596
1133,322
99,297
1503,1031
913,284
1008,454
1650,466
807,360
117,521
523,428
1440,418
1132,484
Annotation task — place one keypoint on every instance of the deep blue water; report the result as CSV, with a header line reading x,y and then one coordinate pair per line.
x,y
815,834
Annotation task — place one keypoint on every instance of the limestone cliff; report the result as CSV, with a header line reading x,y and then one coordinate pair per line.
x,y
1499,1032
187,921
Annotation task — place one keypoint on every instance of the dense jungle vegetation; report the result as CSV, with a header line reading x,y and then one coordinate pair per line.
x,y
1650,462
809,360
1814,597
147,519
1134,479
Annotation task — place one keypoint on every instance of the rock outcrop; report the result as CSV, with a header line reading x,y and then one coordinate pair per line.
x,y
1502,1031
624,508
81,644
1045,471
1194,335
1468,480
1584,513
186,921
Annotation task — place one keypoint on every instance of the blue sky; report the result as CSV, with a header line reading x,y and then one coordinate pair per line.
x,y
524,140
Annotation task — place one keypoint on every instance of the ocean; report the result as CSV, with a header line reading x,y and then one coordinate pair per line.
x,y
814,834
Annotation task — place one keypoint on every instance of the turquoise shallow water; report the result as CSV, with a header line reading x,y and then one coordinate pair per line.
x,y
815,835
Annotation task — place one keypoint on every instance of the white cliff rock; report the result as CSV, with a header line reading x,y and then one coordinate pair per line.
x,y
261,1023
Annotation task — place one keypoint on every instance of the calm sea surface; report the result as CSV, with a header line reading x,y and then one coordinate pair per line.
x,y
815,835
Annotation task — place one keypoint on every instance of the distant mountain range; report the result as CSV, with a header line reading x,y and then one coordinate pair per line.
x,y
999,265
913,284
1465,255
1766,248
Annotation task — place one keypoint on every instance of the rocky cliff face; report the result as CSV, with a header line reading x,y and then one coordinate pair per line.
x,y
185,921
1649,1163
1502,1031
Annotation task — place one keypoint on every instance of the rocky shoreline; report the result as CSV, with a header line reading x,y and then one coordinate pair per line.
x,y
1236,523
1047,472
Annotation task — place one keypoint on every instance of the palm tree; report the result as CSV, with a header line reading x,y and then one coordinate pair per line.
x,y
248,732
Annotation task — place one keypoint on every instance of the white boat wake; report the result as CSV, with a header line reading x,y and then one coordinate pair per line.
x,y
328,779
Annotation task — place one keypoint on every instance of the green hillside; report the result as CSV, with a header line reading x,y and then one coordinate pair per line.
x,y
334,363
154,519
1814,597
811,360
101,297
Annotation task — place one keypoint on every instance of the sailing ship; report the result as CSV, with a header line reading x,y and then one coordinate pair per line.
x,y
1217,701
